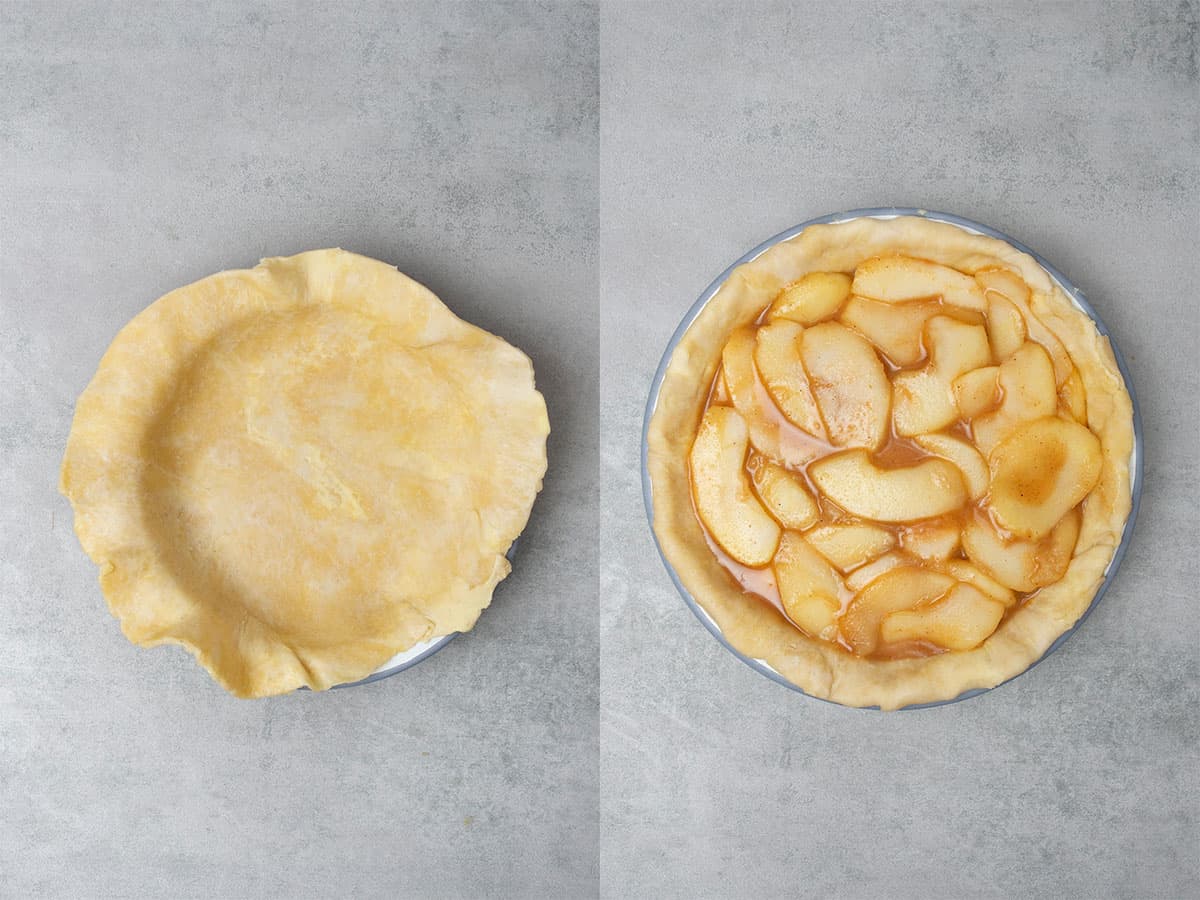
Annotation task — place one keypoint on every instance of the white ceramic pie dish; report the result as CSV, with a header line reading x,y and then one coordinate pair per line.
x,y
969,226
405,660
419,652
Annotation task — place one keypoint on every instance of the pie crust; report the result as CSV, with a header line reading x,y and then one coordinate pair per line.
x,y
299,470
756,629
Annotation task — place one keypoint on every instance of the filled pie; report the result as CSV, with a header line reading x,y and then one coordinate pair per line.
x,y
891,459
299,470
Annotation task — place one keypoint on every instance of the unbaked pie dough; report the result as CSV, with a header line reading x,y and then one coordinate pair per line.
x,y
891,459
299,470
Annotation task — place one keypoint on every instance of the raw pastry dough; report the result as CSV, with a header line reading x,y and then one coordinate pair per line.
x,y
298,470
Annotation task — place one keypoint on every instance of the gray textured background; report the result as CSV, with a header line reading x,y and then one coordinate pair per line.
x,y
1071,127
144,147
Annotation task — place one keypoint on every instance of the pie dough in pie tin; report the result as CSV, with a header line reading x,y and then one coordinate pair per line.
x,y
415,654
1073,293
309,473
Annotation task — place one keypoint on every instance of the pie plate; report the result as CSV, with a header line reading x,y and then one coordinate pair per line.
x,y
1077,298
416,653
401,661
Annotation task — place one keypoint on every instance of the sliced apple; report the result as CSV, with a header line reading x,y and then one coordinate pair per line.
x,y
1041,470
963,619
970,461
809,588
861,577
977,391
783,494
1008,562
852,545
1056,550
1027,390
721,487
1008,284
816,296
851,479
1048,341
720,393
931,541
923,400
901,588
850,385
1074,397
901,278
1005,328
737,364
770,433
777,356
1021,565
895,328
1004,282
971,574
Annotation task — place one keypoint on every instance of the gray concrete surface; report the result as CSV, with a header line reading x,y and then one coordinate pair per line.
x,y
142,147
1074,128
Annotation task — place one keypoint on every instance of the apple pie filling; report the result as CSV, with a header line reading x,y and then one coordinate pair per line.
x,y
895,458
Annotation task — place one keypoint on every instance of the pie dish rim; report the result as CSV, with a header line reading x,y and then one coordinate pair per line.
x,y
417,653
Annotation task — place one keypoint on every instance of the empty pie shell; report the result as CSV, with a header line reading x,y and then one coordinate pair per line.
x,y
299,470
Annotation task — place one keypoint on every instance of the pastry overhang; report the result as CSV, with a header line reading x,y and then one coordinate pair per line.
x,y
299,470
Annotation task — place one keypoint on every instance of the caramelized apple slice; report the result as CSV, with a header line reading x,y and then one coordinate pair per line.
x,y
1074,397
1021,565
902,588
1041,470
1057,549
754,403
720,393
741,380
850,546
977,391
900,278
970,461
1028,392
814,297
851,479
721,487
850,385
931,541
737,365
970,574
777,355
923,401
861,577
1005,328
783,494
895,328
1004,282
963,619
1048,341
1008,284
808,586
